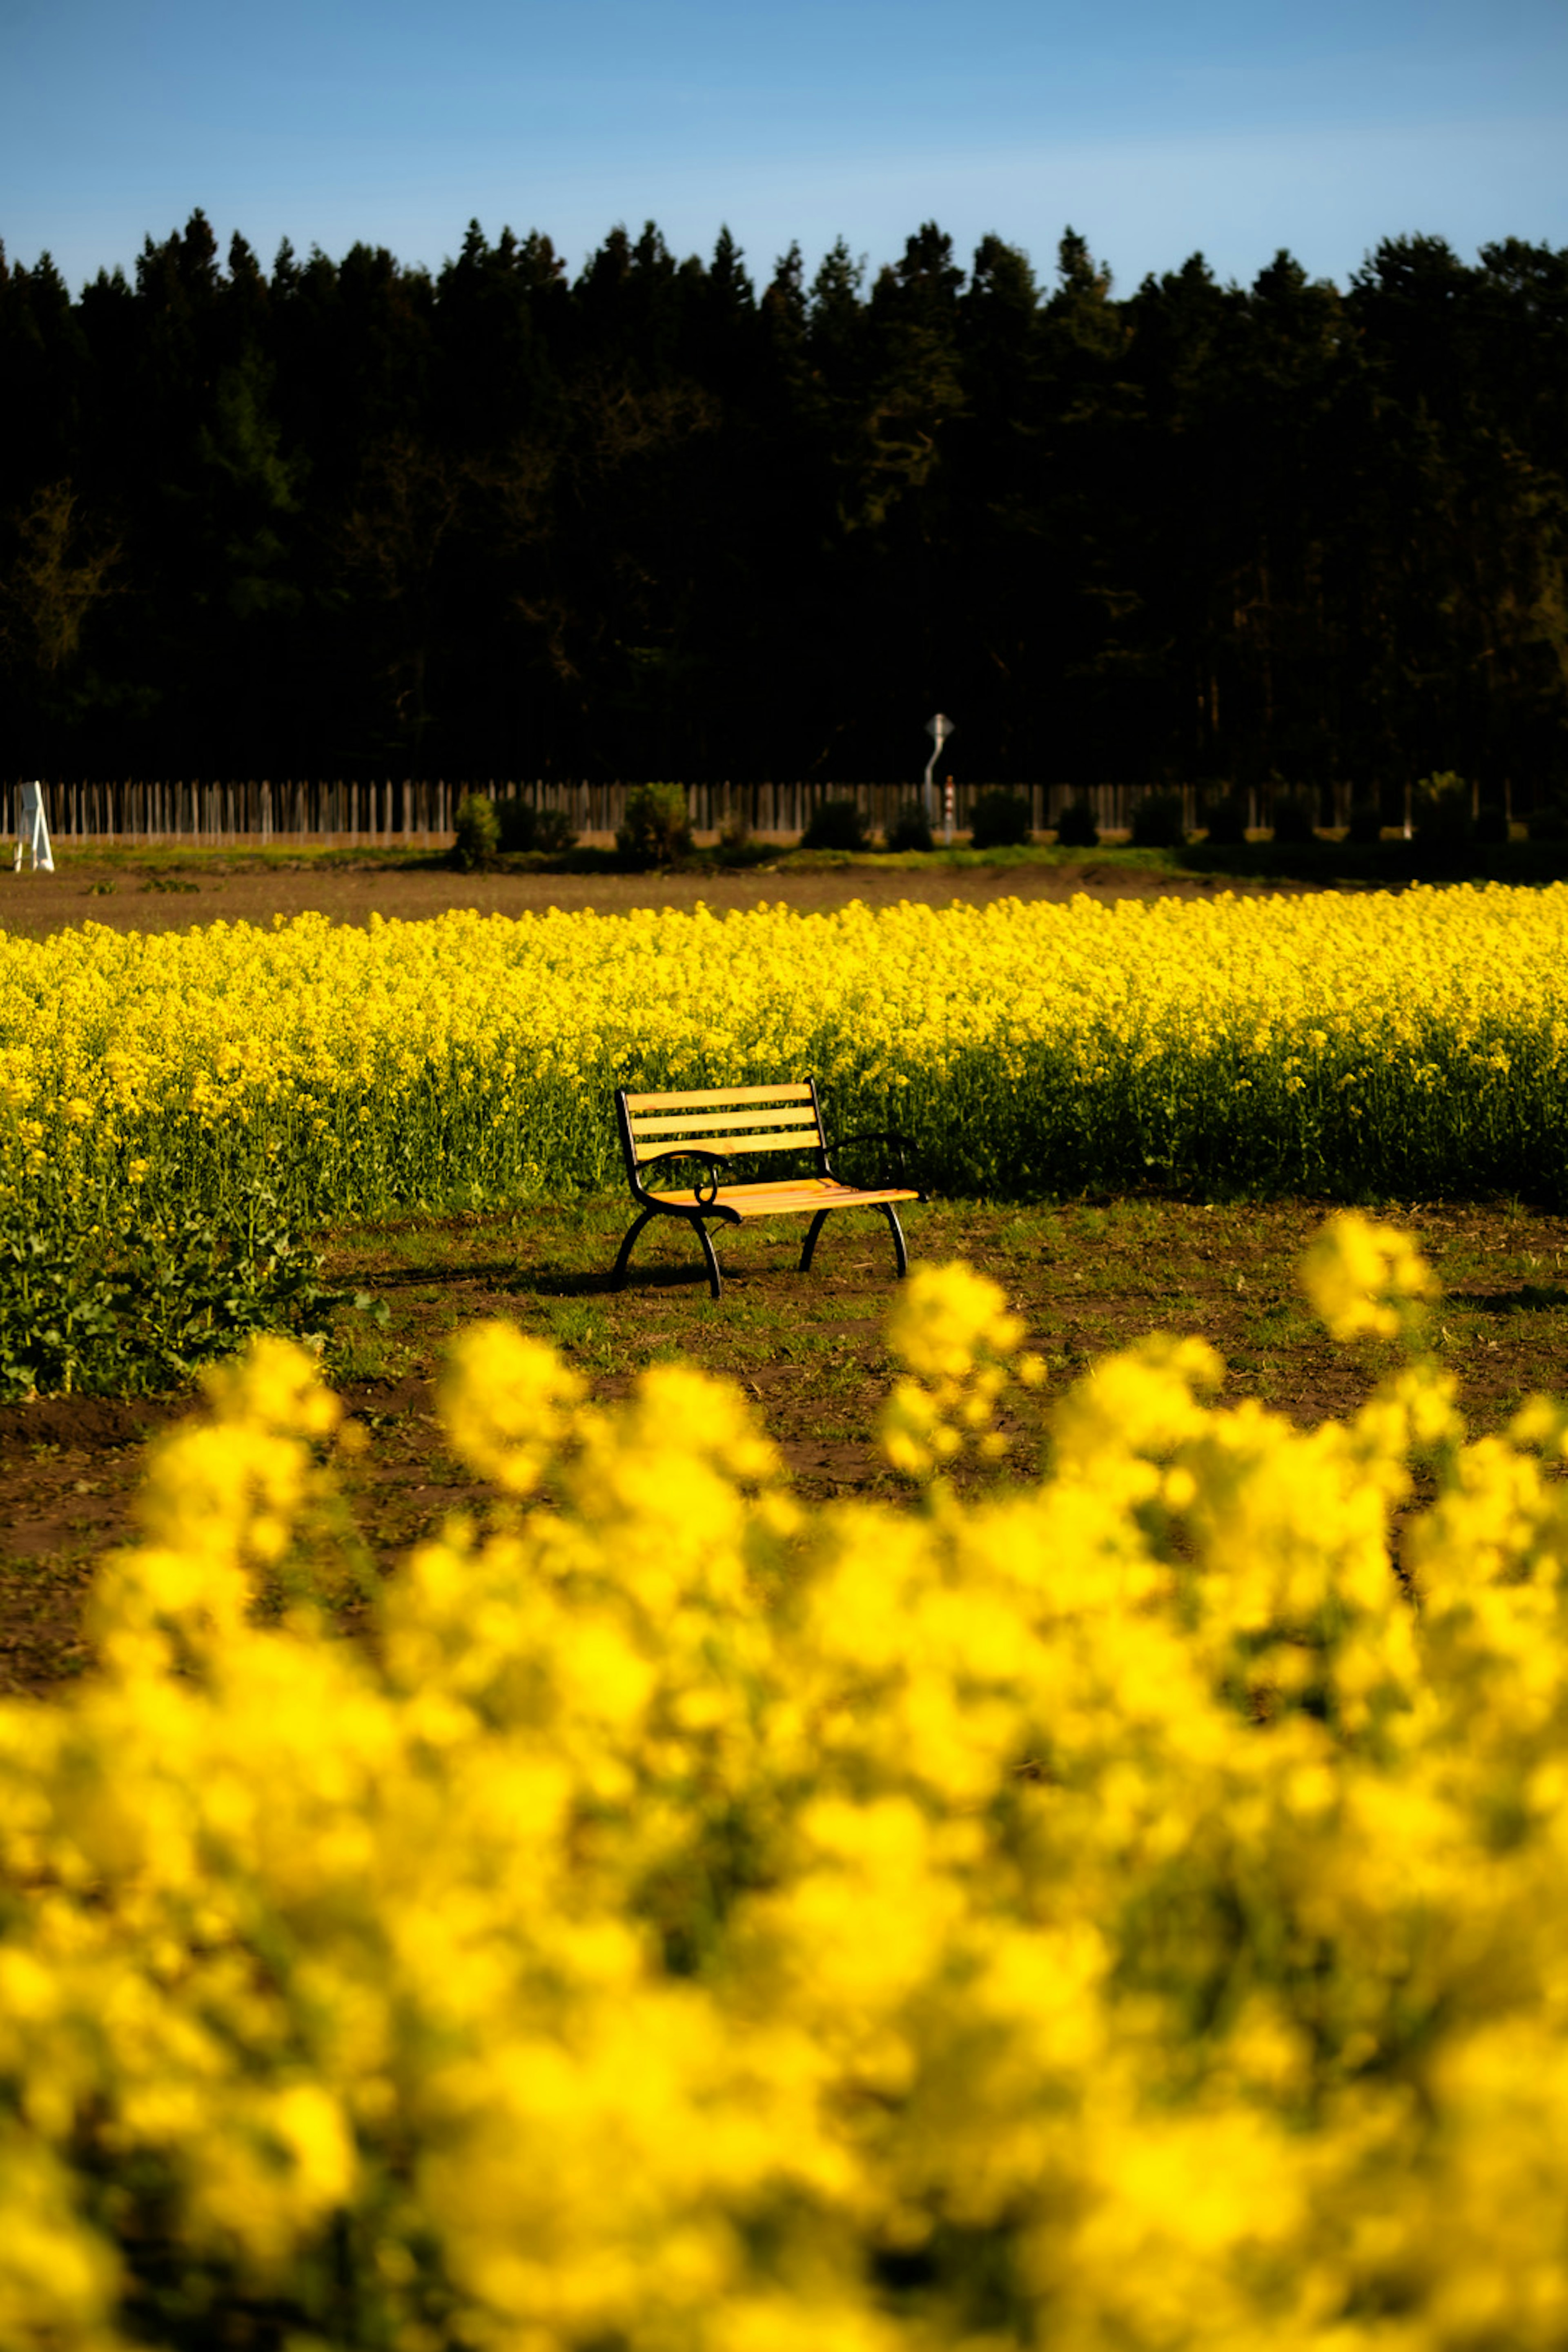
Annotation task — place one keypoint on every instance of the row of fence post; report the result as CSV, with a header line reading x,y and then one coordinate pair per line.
x,y
419,812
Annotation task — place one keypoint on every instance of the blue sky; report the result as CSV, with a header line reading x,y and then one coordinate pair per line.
x,y
1155,129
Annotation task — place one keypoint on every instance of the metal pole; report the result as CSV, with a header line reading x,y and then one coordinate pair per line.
x,y
939,728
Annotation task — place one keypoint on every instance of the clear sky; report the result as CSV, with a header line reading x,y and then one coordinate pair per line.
x,y
1156,127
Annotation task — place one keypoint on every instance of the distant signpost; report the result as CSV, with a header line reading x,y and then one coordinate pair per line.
x,y
939,728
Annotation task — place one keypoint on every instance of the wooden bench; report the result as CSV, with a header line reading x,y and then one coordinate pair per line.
x,y
728,1123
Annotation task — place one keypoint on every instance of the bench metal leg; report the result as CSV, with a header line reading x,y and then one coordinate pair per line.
x,y
809,1249
901,1255
618,1279
715,1281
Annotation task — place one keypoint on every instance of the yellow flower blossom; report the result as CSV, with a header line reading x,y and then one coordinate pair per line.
x,y
1120,1911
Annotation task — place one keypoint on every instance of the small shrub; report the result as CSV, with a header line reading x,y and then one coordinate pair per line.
x,y
835,824
1366,827
1158,822
524,827
517,820
1000,821
86,1311
1549,821
1293,818
656,829
910,829
1491,824
738,846
1441,809
1076,827
1224,821
478,830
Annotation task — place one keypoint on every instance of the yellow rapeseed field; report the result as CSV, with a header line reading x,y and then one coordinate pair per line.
x,y
1118,1915
1359,1045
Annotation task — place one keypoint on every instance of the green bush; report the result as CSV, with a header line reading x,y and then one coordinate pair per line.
x,y
910,829
1000,821
1158,822
656,828
86,1311
1441,809
1294,818
738,846
835,824
1224,820
524,827
1076,827
1491,824
478,830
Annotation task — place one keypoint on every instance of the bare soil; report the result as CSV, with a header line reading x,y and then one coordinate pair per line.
x,y
170,890
1088,1276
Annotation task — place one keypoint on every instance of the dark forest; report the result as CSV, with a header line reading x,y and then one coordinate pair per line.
x,y
347,517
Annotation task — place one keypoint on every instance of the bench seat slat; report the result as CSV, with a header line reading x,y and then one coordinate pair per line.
x,y
758,1205
802,1121
719,1094
734,1147
780,1200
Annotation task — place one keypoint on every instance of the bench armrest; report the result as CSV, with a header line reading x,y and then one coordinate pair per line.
x,y
715,1161
900,1147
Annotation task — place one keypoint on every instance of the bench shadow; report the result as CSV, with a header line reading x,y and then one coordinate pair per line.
x,y
413,1277
1531,1298
547,1281
555,1282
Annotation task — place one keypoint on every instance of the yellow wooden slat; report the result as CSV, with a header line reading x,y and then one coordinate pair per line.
x,y
743,1146
747,1209
755,1200
719,1094
801,1119
782,1200
808,1189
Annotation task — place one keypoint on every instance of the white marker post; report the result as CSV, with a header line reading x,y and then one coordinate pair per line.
x,y
33,831
939,728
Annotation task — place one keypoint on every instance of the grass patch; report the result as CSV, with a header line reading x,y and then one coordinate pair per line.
x,y
1327,861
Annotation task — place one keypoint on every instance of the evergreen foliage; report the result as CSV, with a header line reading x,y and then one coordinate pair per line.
x,y
1442,808
1158,822
1000,821
835,824
478,834
1224,820
524,827
351,517
1076,827
656,829
910,829
1294,818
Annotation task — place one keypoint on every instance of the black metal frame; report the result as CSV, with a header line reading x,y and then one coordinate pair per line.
x,y
652,1204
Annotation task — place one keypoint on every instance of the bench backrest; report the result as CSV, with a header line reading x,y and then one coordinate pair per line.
x,y
737,1120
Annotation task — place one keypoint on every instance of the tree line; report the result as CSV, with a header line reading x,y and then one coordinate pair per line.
x,y
358,519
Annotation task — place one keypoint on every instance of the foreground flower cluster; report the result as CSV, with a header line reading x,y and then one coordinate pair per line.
x,y
1406,1046
1118,1912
